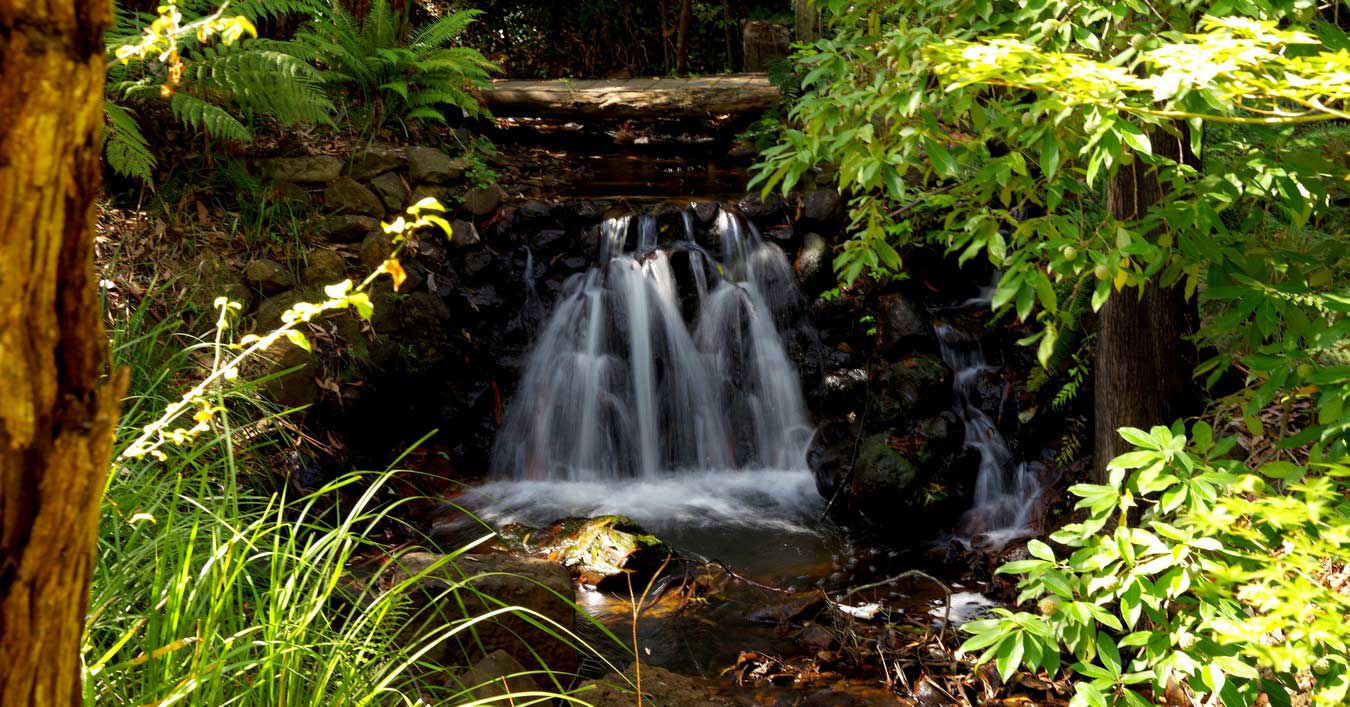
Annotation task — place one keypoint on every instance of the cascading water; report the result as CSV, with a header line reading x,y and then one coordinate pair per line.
x,y
1006,489
660,388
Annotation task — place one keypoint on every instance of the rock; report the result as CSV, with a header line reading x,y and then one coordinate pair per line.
x,y
813,262
816,638
604,552
349,196
488,581
298,387
439,193
315,169
903,326
291,194
782,234
391,190
324,267
882,477
215,279
660,688
822,206
428,165
464,234
754,206
914,387
497,676
765,44
347,228
268,276
374,161
548,240
784,609
375,249
482,201
534,210
268,316
845,386
706,211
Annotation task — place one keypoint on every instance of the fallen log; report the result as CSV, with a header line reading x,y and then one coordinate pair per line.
x,y
633,98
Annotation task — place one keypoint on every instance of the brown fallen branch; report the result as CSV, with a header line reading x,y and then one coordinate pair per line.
x,y
634,98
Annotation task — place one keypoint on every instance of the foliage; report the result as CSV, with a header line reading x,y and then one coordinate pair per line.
x,y
208,592
931,111
1188,572
216,89
407,76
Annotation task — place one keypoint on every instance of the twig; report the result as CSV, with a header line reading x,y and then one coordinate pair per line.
x,y
947,615
732,573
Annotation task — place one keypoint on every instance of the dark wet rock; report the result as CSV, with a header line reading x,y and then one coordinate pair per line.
x,y
464,234
391,190
534,210
349,196
347,228
268,276
911,388
445,195
822,206
903,326
782,234
315,169
943,436
785,609
428,165
706,211
496,678
324,267
660,688
549,239
477,262
423,311
296,388
817,638
482,201
376,248
843,387
375,160
759,207
605,552
447,592
813,263
882,475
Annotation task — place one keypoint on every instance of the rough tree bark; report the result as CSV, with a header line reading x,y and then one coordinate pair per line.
x,y
57,409
1144,354
682,37
806,25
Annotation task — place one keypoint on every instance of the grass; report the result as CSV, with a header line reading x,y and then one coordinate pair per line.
x,y
214,585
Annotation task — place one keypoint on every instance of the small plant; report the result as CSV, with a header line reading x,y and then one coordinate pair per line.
x,y
217,89
1191,574
400,75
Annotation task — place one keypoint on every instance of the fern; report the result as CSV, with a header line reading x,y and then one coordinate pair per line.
x,y
124,146
415,78
209,117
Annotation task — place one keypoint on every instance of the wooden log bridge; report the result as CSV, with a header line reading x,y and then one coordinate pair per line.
x,y
662,97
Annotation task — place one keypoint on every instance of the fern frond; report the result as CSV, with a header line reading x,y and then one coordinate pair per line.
x,y
208,117
124,146
439,33
261,81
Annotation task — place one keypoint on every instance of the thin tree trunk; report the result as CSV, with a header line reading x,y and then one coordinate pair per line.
x,y
1144,355
57,412
682,37
807,24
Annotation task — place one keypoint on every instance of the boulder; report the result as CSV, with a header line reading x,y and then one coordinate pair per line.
x,y
463,234
295,388
391,190
481,201
324,267
813,263
706,211
374,161
822,206
376,248
603,552
903,326
914,387
268,316
315,169
882,478
347,228
268,276
495,678
347,195
757,207
428,165
447,593
660,688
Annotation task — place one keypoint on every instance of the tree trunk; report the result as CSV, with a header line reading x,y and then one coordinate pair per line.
x,y
1144,353
682,37
634,98
807,25
57,411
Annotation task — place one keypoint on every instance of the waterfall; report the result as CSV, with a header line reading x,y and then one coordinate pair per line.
x,y
662,360
1006,489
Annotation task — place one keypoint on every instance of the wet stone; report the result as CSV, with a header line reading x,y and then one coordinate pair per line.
x,y
428,165
375,160
391,190
316,169
348,228
350,196
268,276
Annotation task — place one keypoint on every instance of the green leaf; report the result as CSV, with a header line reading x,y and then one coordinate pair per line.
x,y
1049,154
1135,138
1109,653
1047,347
941,159
299,339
